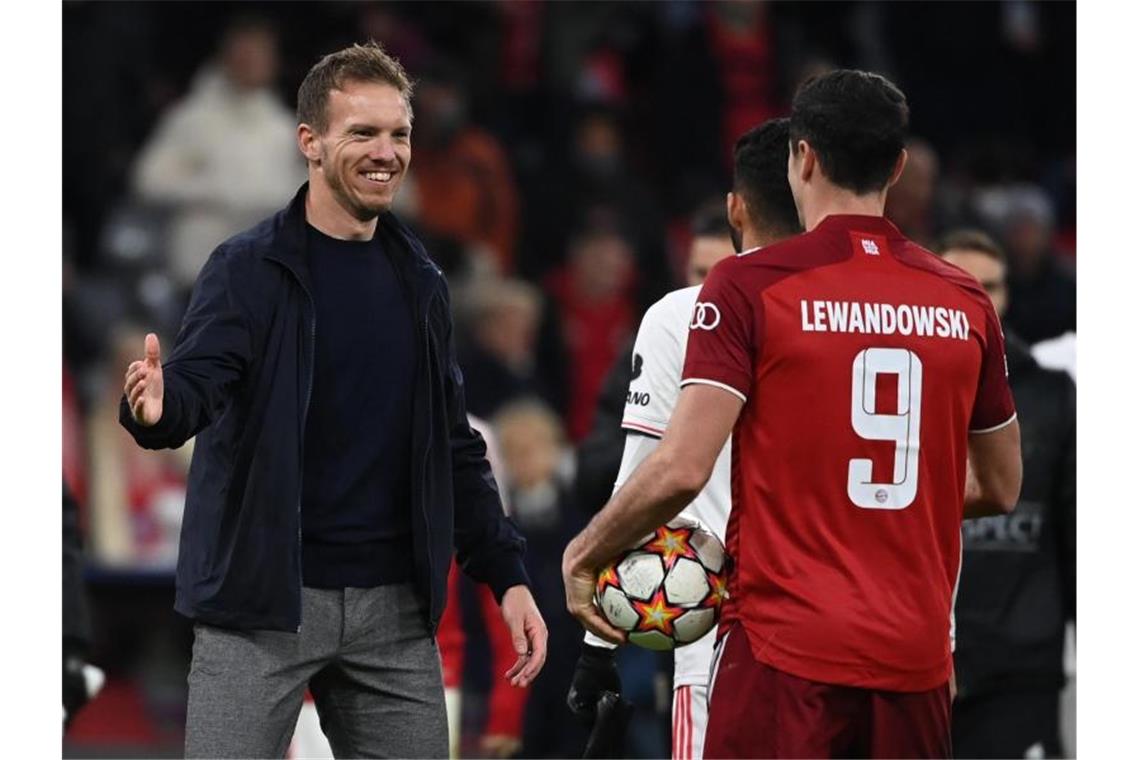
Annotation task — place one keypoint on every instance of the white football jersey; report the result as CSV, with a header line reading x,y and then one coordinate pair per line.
x,y
658,357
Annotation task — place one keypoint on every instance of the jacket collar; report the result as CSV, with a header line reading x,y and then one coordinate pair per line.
x,y
408,252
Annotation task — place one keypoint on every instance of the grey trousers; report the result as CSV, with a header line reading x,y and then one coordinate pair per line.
x,y
366,655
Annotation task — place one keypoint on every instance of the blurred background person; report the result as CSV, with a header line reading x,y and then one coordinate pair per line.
x,y
1017,588
596,305
538,465
596,187
464,187
224,156
910,203
498,358
1042,286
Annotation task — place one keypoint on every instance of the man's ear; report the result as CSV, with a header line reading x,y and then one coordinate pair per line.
x,y
807,160
737,209
900,164
309,143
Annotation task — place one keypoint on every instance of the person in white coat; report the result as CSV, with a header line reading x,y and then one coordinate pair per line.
x,y
225,156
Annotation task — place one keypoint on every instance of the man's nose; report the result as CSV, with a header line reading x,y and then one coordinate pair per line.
x,y
382,149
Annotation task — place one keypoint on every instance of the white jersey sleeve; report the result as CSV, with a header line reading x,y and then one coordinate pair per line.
x,y
658,357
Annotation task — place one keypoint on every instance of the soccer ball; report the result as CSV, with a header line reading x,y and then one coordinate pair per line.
x,y
667,590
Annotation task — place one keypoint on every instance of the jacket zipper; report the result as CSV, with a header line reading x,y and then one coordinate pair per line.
x,y
304,420
301,472
427,451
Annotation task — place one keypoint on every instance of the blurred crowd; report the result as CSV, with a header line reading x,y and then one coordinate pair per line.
x,y
559,153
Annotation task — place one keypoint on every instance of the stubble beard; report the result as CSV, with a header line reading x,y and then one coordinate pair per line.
x,y
350,203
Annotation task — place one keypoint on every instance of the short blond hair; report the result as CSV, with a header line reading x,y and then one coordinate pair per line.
x,y
359,63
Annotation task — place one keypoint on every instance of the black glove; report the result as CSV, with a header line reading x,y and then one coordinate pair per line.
x,y
74,684
594,674
608,737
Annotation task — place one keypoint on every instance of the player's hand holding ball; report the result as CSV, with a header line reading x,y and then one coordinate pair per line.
x,y
143,386
667,591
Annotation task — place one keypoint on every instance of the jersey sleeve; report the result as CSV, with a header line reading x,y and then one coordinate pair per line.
x,y
654,383
721,343
993,402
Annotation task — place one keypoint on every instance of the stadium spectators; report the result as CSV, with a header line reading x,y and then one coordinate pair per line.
x,y
226,155
594,293
498,360
910,202
464,185
595,186
1042,285
536,460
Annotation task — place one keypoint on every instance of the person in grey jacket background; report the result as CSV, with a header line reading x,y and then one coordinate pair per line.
x,y
334,470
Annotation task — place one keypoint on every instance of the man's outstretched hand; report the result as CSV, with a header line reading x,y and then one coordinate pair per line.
x,y
143,385
528,635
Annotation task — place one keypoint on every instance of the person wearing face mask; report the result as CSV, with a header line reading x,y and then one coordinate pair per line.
x,y
334,472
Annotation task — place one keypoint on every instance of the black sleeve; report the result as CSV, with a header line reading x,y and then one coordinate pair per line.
x,y
211,353
599,455
488,545
76,618
1065,498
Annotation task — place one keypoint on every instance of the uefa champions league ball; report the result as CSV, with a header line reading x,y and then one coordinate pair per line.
x,y
667,590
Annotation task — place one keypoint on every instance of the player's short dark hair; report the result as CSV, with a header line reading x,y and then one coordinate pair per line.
x,y
760,174
856,123
710,220
359,63
970,240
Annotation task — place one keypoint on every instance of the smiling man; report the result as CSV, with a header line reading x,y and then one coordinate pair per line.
x,y
335,472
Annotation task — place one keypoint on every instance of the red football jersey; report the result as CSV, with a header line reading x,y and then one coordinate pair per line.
x,y
863,361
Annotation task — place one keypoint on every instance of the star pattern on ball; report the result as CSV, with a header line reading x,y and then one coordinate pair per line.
x,y
656,614
718,590
607,578
672,544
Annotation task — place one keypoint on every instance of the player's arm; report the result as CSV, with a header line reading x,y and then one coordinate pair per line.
x,y
669,478
993,472
595,672
993,464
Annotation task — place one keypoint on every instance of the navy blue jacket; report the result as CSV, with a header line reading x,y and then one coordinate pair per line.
x,y
240,377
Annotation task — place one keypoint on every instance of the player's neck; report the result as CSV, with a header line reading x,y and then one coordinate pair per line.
x,y
323,211
829,201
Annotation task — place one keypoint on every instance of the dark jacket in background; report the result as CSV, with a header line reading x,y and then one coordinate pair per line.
x,y
76,617
240,378
1018,584
1043,305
